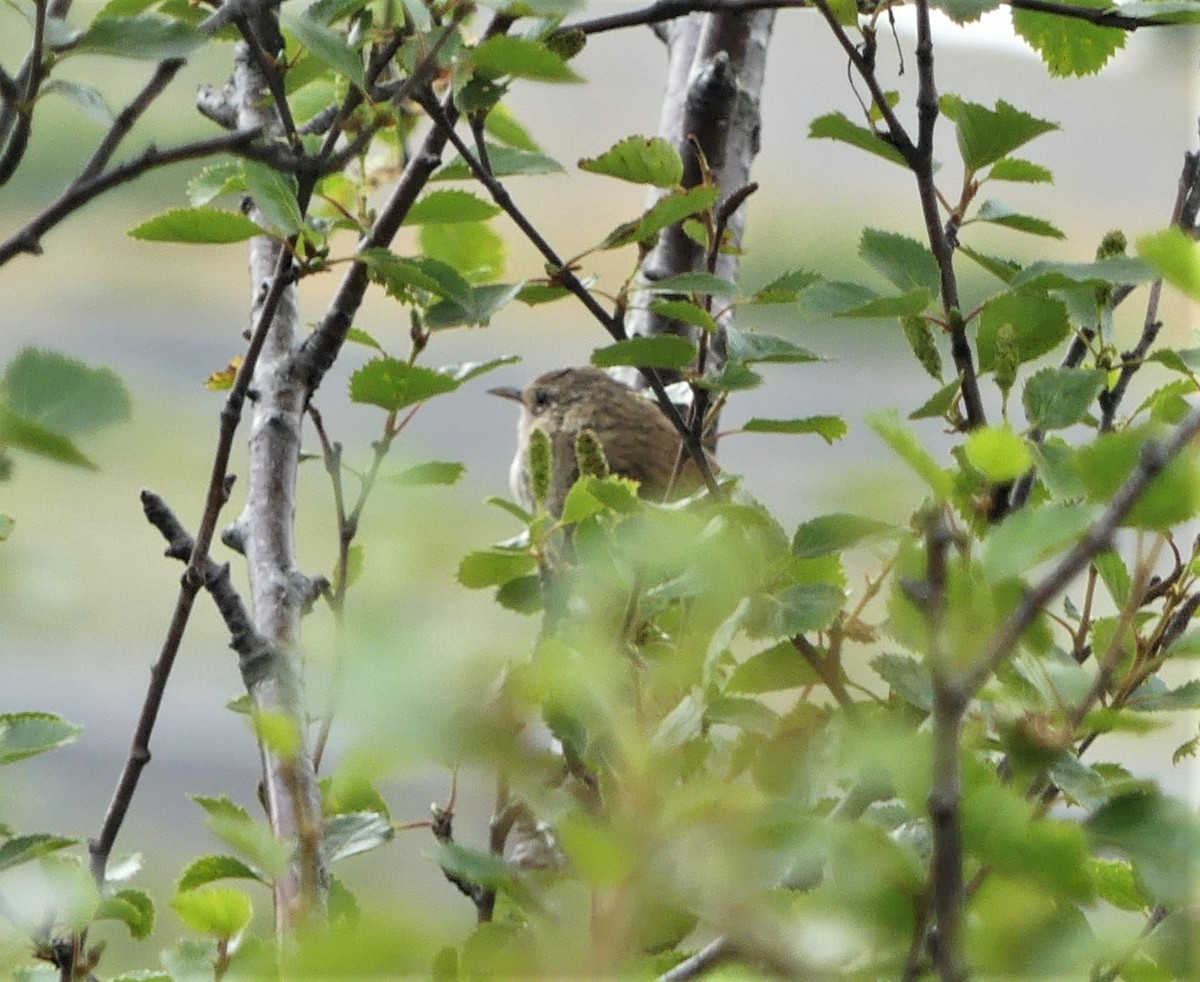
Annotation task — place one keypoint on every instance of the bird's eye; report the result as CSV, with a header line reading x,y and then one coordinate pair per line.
x,y
541,399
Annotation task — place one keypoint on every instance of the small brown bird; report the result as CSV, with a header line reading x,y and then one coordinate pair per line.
x,y
637,438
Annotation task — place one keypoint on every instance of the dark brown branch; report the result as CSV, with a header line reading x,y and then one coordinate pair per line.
x,y
31,77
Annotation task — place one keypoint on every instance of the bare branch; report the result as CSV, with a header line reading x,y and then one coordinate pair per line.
x,y
121,126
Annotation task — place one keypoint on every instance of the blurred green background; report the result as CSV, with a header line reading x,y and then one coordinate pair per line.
x,y
85,593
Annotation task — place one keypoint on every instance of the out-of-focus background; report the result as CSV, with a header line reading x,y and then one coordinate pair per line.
x,y
84,591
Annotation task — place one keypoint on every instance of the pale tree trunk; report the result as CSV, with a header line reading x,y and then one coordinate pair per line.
x,y
715,69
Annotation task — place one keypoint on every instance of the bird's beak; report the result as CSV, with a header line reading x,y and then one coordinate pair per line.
x,y
506,392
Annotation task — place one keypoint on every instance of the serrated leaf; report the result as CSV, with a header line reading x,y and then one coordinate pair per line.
x,y
1040,323
356,832
986,135
1180,699
219,911
208,869
998,213
1116,271
828,535
493,567
829,428
1069,45
785,288
214,181
965,11
696,283
392,384
521,58
905,305
668,210
1004,270
661,351
505,161
906,263
478,308
1017,169
919,334
503,125
275,195
1176,256
31,733
1115,882
467,370
147,36
639,160
735,377
751,347
449,206
63,394
25,848
398,276
89,100
1055,398
444,472
197,226
908,679
685,312
326,45
133,908
1033,535
801,608
837,126
222,807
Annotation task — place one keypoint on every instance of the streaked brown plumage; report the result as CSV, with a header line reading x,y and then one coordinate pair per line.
x,y
638,440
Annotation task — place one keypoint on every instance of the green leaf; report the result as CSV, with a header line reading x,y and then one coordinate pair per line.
x,y
216,180
148,36
1176,256
997,213
467,370
1041,324
831,534
919,334
802,608
474,865
23,434
685,312
660,351
29,734
1069,45
205,226
906,263
1033,535
445,472
275,195
1115,576
392,384
1115,271
593,495
905,305
475,249
735,377
400,276
505,161
668,210
1055,398
89,100
63,394
1183,698
1171,498
24,848
905,445
1016,169
779,667
697,283
521,58
133,908
479,307
997,453
785,288
493,567
640,160
750,347
938,404
327,46
836,126
965,11
1114,881
908,679
208,869
522,595
355,832
1157,834
1004,270
503,125
829,428
985,135
450,206
220,911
